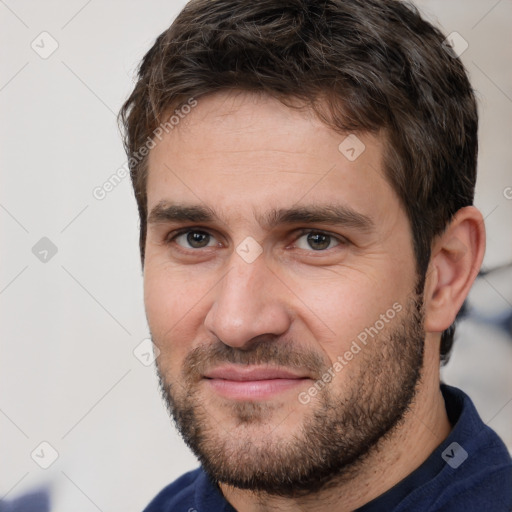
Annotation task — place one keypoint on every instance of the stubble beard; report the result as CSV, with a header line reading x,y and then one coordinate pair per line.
x,y
340,428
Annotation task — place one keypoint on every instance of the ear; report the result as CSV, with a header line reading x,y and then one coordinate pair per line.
x,y
456,258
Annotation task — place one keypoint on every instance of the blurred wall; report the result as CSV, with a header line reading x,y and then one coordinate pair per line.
x,y
78,393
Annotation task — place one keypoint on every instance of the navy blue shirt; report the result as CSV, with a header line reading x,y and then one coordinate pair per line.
x,y
471,471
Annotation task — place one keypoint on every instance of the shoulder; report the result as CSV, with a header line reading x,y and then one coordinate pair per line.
x,y
476,472
192,492
177,496
482,482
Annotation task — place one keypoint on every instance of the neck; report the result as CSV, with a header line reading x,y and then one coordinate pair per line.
x,y
424,427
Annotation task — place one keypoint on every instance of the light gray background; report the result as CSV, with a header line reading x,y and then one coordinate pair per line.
x,y
69,326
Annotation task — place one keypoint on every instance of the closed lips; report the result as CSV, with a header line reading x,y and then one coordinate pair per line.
x,y
252,373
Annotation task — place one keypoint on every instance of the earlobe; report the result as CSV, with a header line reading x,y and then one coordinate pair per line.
x,y
456,258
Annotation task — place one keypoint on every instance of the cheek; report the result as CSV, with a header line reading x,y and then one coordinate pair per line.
x,y
339,308
175,309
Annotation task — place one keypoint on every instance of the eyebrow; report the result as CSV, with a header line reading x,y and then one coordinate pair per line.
x,y
333,214
166,212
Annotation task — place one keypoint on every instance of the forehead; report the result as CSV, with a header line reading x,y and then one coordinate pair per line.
x,y
241,152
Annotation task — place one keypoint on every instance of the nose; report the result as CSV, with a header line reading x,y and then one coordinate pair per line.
x,y
248,302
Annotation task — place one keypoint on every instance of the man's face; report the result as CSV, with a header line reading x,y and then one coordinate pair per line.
x,y
279,288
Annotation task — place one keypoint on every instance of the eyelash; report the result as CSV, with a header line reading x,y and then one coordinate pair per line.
x,y
339,238
171,237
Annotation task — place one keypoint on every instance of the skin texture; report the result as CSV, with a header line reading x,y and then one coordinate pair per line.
x,y
244,156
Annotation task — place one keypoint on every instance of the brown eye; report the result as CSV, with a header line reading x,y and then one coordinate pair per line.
x,y
195,239
317,241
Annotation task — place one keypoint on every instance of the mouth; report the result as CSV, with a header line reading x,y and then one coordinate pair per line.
x,y
252,383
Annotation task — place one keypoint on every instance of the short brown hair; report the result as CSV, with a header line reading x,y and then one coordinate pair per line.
x,y
361,65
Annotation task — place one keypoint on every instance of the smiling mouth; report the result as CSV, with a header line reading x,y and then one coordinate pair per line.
x,y
252,383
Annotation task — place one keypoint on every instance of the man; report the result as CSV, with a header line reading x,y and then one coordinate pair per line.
x,y
304,173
